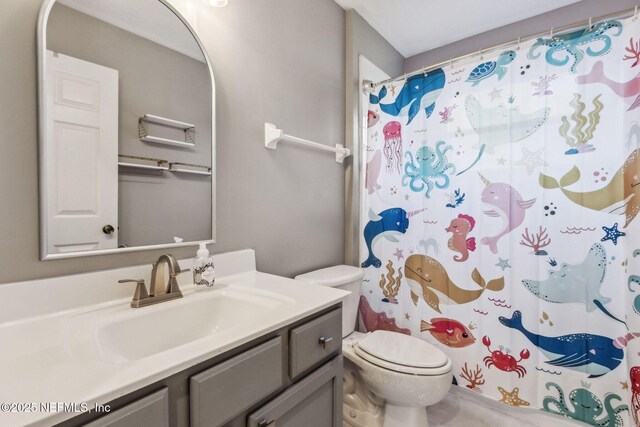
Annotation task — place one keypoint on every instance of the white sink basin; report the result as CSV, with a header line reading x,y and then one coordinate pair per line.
x,y
129,334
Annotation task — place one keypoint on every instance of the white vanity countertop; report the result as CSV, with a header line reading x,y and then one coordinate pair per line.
x,y
38,365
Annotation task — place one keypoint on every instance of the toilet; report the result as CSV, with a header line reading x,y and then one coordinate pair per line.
x,y
389,378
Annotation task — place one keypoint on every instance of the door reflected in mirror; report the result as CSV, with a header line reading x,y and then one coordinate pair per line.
x,y
126,129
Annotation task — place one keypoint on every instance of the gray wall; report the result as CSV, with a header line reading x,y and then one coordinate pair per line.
x,y
365,40
152,80
362,39
557,18
279,61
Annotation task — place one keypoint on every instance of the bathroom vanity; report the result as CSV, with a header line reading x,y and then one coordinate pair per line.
x,y
285,376
257,349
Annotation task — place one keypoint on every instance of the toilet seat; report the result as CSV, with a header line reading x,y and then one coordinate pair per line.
x,y
402,353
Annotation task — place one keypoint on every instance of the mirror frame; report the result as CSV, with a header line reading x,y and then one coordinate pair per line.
x,y
42,193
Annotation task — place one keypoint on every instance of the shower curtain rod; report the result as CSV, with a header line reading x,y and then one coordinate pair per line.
x,y
621,14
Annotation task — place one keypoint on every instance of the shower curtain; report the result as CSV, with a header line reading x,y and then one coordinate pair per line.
x,y
499,220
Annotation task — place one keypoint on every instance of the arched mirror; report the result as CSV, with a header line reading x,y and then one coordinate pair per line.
x,y
126,128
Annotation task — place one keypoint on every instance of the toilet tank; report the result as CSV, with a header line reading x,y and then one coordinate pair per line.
x,y
345,277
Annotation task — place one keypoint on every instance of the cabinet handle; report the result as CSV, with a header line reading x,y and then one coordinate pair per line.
x,y
265,423
324,341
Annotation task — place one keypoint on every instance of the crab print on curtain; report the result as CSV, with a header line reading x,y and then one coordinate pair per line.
x,y
500,220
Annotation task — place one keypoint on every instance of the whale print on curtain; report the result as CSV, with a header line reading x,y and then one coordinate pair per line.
x,y
500,220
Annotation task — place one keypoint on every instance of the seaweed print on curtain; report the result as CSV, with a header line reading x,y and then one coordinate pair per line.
x,y
500,221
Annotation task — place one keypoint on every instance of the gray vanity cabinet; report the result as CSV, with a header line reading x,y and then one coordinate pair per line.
x,y
309,395
289,377
316,401
224,391
150,411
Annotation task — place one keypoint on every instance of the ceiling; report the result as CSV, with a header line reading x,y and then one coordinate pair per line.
x,y
416,26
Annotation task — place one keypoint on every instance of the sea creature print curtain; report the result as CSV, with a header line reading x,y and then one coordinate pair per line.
x,y
499,221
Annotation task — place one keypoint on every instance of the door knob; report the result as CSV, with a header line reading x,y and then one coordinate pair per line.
x,y
108,229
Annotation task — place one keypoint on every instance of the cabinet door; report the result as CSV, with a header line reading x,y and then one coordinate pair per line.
x,y
316,401
224,391
151,411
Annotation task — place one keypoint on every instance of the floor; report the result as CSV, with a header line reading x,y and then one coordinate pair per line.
x,y
465,408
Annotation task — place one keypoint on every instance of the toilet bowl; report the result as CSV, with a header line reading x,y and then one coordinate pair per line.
x,y
389,378
408,373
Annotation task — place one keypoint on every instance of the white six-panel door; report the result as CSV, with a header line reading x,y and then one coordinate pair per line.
x,y
81,155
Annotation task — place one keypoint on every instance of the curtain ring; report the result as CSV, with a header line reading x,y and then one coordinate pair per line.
x,y
635,14
480,53
590,24
518,45
551,33
451,63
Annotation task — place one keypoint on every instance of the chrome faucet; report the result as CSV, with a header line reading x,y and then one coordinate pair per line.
x,y
159,290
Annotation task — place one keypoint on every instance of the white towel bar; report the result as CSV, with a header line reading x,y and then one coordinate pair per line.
x,y
273,135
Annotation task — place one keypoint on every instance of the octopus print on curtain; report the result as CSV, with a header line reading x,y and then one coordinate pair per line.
x,y
500,223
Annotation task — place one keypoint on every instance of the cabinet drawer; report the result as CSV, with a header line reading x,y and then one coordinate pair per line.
x,y
305,346
316,401
151,411
222,392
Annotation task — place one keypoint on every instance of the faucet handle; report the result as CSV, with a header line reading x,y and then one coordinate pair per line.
x,y
141,289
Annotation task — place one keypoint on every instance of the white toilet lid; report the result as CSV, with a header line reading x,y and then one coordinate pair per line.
x,y
402,353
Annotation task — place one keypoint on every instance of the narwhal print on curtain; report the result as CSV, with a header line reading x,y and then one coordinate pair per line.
x,y
500,220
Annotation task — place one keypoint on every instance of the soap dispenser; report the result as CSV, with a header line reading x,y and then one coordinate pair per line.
x,y
203,271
